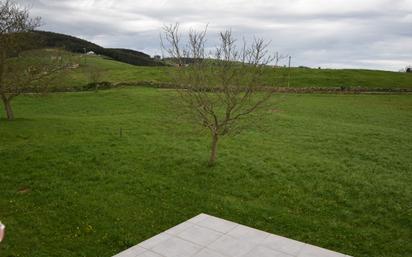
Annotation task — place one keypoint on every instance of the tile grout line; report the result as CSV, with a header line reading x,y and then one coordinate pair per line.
x,y
237,225
222,234
165,231
193,224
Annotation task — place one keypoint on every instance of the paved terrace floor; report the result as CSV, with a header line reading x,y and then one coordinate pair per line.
x,y
208,236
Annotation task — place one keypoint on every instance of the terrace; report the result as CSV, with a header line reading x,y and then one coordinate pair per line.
x,y
208,236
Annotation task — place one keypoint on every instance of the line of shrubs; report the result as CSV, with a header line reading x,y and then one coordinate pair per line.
x,y
104,85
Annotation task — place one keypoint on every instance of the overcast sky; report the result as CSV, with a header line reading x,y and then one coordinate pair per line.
x,y
373,34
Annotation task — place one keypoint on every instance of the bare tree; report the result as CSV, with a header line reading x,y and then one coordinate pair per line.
x,y
95,76
279,57
222,86
21,69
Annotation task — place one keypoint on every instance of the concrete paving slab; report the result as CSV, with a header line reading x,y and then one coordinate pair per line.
x,y
208,236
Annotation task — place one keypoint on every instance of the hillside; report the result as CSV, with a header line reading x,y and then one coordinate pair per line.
x,y
114,72
117,72
47,39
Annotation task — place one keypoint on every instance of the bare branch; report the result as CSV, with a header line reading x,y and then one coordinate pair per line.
x,y
20,68
223,89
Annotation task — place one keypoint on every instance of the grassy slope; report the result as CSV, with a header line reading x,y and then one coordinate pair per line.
x,y
111,71
120,72
333,171
350,78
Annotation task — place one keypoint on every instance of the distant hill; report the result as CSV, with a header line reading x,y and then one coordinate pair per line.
x,y
77,45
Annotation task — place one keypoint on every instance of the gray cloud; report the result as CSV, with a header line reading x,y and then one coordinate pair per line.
x,y
374,34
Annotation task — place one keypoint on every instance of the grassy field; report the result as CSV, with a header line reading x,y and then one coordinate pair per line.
x,y
116,72
330,170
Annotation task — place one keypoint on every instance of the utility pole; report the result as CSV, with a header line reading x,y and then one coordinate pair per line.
x,y
290,60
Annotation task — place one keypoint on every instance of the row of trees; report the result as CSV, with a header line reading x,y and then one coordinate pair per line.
x,y
77,45
219,87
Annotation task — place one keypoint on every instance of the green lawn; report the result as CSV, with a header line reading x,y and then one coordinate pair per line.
x,y
116,72
330,170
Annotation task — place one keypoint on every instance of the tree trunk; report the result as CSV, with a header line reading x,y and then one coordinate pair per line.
x,y
8,109
213,150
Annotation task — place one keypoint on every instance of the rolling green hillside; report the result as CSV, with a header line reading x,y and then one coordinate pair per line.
x,y
125,65
117,72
